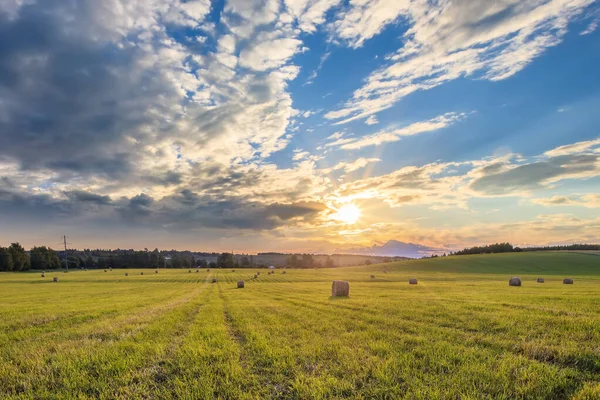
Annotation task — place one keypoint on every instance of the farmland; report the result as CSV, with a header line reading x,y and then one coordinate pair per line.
x,y
462,332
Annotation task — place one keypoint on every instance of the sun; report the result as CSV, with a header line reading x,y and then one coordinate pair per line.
x,y
348,213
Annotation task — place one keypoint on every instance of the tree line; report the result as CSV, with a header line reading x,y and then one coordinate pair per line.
x,y
509,248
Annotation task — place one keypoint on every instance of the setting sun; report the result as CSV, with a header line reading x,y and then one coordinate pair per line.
x,y
348,213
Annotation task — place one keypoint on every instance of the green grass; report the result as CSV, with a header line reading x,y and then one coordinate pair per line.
x,y
461,333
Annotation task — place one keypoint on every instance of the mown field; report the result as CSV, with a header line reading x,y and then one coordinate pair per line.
x,y
461,333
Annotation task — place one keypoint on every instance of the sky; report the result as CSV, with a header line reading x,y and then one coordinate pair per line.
x,y
299,125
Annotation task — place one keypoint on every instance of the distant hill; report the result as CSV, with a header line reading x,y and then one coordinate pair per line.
x,y
394,248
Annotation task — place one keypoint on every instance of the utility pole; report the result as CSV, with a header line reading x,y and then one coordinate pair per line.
x,y
66,258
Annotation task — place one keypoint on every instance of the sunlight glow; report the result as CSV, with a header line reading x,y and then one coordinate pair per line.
x,y
348,214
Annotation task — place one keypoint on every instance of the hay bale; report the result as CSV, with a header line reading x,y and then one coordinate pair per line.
x,y
156,271
55,279
197,270
208,270
372,276
141,273
340,289
568,281
514,281
255,276
240,284
189,271
258,273
233,270
214,280
104,270
540,280
126,273
412,281
43,275
284,272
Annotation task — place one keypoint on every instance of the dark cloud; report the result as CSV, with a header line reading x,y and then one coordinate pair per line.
x,y
534,175
71,96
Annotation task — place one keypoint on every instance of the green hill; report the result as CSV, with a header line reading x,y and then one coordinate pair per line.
x,y
543,263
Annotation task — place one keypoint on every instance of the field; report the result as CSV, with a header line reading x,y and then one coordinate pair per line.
x,y
462,332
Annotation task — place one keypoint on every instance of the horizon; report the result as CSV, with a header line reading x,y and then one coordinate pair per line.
x,y
299,126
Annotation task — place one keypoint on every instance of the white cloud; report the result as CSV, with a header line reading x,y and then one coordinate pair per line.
x,y
394,135
372,120
453,39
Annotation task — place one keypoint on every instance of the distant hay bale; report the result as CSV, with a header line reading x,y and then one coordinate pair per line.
x,y
208,270
233,270
197,270
568,281
258,273
189,271
126,273
372,276
340,289
240,284
284,272
104,270
214,280
156,271
412,281
514,281
540,280
255,276
141,273
43,275
55,279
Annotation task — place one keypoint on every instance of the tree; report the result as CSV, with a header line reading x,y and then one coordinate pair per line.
x,y
39,257
101,264
212,264
225,260
176,261
6,261
245,261
203,263
89,262
329,262
19,257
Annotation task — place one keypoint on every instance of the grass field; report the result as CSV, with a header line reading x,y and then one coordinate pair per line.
x,y
461,333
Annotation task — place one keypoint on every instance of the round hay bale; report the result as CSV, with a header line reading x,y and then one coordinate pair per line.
x,y
43,275
412,281
514,281
240,284
340,289
568,281
258,273
156,271
141,273
255,276
208,270
284,272
197,270
189,271
540,280
214,280
55,279
233,270
104,270
372,276
126,273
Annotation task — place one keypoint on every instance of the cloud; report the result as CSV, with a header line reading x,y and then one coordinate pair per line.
x,y
372,120
452,184
448,40
352,166
394,135
588,200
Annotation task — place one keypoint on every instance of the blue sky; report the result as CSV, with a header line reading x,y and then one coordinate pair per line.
x,y
299,125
